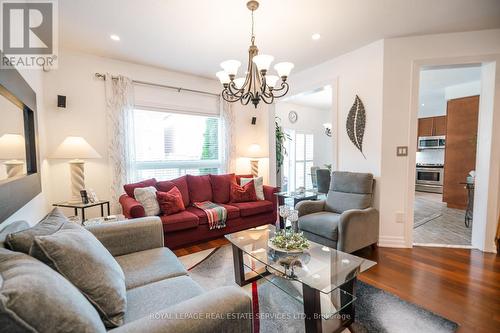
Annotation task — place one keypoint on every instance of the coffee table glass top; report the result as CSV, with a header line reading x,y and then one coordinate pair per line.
x,y
319,267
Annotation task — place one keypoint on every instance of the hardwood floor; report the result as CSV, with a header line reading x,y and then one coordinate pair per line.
x,y
437,224
459,284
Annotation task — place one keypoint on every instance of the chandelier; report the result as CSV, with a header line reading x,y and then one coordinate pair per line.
x,y
256,85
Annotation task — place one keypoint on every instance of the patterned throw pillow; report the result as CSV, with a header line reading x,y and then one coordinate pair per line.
x,y
243,193
147,198
259,186
170,202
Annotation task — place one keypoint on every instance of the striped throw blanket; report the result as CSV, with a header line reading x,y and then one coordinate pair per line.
x,y
217,215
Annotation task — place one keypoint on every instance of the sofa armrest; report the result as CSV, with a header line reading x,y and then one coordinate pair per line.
x,y
358,228
225,309
129,236
131,208
306,207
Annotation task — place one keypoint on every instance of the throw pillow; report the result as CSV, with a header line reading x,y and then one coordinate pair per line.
x,y
200,188
259,186
170,202
21,241
78,256
146,196
129,188
181,184
243,193
238,178
221,187
35,298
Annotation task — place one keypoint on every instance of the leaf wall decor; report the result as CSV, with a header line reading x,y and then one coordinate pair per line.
x,y
355,124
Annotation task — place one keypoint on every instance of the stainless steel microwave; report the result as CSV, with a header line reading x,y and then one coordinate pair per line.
x,y
431,142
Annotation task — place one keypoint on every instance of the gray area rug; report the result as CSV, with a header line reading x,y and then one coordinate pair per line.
x,y
376,310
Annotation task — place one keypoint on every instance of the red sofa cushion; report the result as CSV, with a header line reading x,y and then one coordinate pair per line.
x,y
179,221
221,187
129,188
170,202
238,178
200,188
243,193
180,183
232,213
254,207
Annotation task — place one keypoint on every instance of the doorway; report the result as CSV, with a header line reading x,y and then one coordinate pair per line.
x,y
447,130
305,118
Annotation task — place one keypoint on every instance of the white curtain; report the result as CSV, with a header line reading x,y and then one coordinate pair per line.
x,y
228,145
120,129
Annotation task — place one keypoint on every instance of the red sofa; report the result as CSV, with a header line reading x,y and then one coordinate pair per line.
x,y
191,226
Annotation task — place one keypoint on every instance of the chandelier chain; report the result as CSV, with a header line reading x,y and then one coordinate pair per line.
x,y
253,35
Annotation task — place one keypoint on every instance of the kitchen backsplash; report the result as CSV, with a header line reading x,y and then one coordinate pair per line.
x,y
434,156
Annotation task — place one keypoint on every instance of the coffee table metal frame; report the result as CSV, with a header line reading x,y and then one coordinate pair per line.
x,y
311,296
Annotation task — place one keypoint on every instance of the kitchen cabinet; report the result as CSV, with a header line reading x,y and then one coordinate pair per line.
x,y
432,126
460,151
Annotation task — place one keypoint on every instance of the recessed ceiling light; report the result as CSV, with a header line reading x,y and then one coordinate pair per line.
x,y
115,37
316,36
423,104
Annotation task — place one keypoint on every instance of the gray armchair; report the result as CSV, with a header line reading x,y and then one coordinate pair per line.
x,y
345,220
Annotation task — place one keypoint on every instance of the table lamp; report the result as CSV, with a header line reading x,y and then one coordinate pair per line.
x,y
76,149
255,154
13,149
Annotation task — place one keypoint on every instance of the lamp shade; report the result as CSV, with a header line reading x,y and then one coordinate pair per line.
x,y
75,147
263,61
256,151
12,147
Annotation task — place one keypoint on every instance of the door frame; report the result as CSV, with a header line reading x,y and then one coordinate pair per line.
x,y
486,203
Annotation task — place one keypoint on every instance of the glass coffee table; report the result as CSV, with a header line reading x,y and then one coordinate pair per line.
x,y
321,278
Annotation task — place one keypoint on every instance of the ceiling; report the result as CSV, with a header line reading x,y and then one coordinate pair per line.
x,y
320,98
194,36
433,84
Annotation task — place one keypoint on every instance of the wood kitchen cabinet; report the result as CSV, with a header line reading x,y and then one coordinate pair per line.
x,y
432,126
460,151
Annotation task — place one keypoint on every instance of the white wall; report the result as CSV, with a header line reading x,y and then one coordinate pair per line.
x,y
38,207
247,134
310,120
403,58
356,73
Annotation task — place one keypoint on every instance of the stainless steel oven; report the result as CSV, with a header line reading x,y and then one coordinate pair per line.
x,y
429,178
431,142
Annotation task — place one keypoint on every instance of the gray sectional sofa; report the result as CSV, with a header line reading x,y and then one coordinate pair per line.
x,y
160,295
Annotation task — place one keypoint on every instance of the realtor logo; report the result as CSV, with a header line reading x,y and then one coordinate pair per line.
x,y
29,33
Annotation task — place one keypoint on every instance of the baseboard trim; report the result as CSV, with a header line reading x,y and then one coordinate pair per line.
x,y
444,245
392,241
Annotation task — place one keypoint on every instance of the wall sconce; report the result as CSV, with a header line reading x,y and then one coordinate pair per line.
x,y
328,129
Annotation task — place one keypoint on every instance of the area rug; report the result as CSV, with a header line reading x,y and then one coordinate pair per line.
x,y
279,311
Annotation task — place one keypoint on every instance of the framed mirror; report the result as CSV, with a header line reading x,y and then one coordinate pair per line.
x,y
19,163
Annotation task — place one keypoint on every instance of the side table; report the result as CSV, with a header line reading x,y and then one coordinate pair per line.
x,y
297,197
82,206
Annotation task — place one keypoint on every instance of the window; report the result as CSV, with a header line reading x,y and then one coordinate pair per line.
x,y
299,160
169,145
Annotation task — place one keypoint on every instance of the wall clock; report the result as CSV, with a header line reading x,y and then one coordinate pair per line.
x,y
293,117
